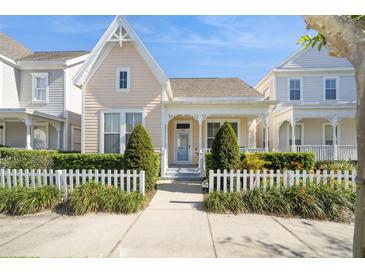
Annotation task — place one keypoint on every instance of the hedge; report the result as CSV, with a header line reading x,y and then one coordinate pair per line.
x,y
49,159
277,160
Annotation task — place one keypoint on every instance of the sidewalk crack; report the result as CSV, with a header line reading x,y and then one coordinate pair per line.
x,y
296,236
29,231
211,236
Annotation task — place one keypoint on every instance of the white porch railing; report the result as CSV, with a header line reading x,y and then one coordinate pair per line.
x,y
326,152
252,150
67,180
235,181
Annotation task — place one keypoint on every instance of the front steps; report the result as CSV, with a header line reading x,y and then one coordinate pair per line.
x,y
183,173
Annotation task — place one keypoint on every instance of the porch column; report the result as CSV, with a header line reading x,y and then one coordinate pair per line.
x,y
293,146
28,125
201,161
334,137
251,125
266,120
57,127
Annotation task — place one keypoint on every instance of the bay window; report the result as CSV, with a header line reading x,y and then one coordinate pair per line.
x,y
39,87
294,89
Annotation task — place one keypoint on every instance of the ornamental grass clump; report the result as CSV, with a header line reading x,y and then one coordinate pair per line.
x,y
22,200
311,201
93,197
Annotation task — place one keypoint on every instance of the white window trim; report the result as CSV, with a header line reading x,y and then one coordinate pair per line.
x,y
117,79
34,100
338,133
301,133
72,136
301,89
221,121
122,133
3,133
40,124
337,87
190,152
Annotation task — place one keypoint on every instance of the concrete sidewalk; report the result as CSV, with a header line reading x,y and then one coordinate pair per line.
x,y
174,225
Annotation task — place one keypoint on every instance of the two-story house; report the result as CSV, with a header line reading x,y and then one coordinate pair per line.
x,y
316,96
40,108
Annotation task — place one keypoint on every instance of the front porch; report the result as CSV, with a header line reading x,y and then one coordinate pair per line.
x,y
330,135
188,135
24,128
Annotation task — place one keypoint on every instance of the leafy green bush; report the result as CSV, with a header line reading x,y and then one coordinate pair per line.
x,y
93,197
26,159
139,155
273,160
87,161
310,201
225,149
24,200
288,160
253,161
336,165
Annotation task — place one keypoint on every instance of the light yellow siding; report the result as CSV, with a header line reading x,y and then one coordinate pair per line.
x,y
100,93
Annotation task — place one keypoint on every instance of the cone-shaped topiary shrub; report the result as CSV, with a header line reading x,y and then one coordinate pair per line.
x,y
225,149
139,155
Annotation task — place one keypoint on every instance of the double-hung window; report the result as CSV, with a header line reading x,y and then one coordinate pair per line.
x,y
328,134
132,120
330,88
117,129
112,133
212,129
123,79
294,89
298,135
40,87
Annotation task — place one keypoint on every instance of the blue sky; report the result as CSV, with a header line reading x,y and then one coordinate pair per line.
x,y
184,46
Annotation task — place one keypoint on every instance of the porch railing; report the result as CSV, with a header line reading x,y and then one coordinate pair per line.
x,y
326,152
252,150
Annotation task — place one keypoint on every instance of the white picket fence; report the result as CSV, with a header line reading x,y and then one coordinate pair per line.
x,y
67,180
243,180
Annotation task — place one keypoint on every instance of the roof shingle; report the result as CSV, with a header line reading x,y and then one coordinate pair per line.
x,y
211,87
11,48
53,56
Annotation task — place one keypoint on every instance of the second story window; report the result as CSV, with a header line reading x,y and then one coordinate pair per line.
x,y
123,76
294,89
330,88
40,87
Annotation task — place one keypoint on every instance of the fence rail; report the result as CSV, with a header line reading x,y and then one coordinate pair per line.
x,y
244,180
67,180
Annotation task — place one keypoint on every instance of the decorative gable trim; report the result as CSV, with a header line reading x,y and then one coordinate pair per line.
x,y
119,31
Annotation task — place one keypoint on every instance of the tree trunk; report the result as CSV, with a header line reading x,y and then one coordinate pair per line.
x,y
359,233
346,38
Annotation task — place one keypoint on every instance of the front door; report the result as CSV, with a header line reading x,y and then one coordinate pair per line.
x,y
183,143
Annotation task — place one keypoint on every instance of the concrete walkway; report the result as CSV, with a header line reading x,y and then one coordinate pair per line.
x,y
174,225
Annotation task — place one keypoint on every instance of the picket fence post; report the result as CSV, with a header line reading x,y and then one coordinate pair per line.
x,y
142,182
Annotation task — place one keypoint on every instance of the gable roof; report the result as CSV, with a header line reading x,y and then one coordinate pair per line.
x,y
211,87
313,58
53,56
118,31
11,48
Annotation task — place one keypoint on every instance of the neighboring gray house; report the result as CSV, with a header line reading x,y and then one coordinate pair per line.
x,y
40,108
316,95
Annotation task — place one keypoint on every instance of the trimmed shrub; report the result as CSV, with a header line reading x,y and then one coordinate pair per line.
x,y
26,159
139,155
225,150
24,200
273,160
93,197
336,165
88,161
288,160
310,201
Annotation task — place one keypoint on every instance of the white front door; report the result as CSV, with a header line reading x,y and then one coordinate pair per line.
x,y
183,143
